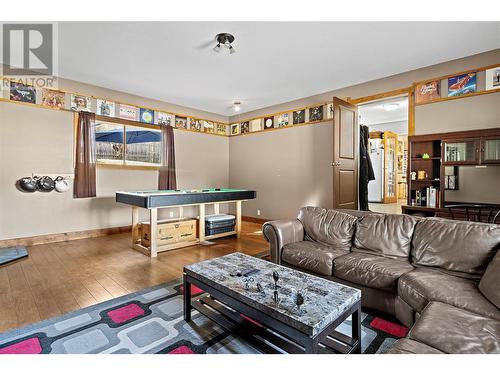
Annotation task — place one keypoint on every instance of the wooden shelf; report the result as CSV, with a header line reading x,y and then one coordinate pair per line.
x,y
438,100
219,235
426,180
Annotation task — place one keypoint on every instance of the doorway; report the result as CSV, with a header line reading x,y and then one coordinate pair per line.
x,y
387,121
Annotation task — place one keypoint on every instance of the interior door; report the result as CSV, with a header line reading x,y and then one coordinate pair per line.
x,y
390,167
345,154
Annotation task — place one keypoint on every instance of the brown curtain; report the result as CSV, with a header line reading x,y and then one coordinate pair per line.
x,y
166,178
85,156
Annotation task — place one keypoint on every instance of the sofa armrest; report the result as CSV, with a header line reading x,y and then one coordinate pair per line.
x,y
280,233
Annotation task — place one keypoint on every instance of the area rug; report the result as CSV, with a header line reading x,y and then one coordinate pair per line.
x,y
10,254
151,321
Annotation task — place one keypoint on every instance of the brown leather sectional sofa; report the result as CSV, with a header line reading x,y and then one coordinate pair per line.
x,y
440,277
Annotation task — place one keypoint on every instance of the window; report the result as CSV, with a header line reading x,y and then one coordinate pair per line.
x,y
127,145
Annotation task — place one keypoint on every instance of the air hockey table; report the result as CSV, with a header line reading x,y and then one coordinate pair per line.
x,y
152,200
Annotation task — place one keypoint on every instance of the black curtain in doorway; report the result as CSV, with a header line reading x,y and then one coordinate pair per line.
x,y
366,173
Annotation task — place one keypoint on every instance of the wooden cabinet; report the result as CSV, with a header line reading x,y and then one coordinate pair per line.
x,y
464,151
490,150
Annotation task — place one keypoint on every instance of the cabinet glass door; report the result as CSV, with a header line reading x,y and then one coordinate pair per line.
x,y
457,152
491,151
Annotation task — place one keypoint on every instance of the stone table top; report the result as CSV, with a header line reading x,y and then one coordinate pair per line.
x,y
325,300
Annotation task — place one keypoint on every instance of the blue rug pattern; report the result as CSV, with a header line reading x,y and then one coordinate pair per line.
x,y
10,254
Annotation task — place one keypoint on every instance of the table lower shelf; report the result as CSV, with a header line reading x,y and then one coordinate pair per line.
x,y
265,339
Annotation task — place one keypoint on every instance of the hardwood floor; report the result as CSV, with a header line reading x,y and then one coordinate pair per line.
x,y
66,276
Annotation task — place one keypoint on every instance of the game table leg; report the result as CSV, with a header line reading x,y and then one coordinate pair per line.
x,y
153,219
238,219
135,225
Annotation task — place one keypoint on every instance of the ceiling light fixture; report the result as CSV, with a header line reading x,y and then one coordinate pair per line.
x,y
390,106
237,106
225,40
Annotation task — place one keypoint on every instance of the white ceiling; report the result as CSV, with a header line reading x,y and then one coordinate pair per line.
x,y
275,62
377,113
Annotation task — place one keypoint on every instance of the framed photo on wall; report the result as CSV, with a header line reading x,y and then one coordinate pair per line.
x,y
283,120
316,113
245,127
195,124
462,84
299,117
221,129
181,122
329,111
493,78
128,112
20,92
163,118
256,125
268,123
147,116
208,126
53,99
235,129
105,108
80,103
428,91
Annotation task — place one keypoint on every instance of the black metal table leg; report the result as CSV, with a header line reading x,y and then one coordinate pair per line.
x,y
312,347
187,299
356,329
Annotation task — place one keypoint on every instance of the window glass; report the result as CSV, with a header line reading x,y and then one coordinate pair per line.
x,y
142,146
109,143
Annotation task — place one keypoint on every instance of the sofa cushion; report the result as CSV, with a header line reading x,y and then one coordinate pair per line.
x,y
490,282
370,270
457,247
385,235
421,286
311,256
409,346
328,227
453,330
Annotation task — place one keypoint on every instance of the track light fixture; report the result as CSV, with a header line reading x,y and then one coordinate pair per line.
x,y
237,106
224,39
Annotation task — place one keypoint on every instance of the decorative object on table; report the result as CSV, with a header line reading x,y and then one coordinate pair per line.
x,y
268,123
163,118
53,99
147,116
427,91
20,92
105,108
27,184
235,129
422,175
425,155
261,290
316,113
462,84
283,120
329,111
299,117
208,126
245,127
413,175
128,112
493,78
247,281
10,254
61,184
180,122
298,299
45,184
221,129
256,125
276,277
80,103
195,124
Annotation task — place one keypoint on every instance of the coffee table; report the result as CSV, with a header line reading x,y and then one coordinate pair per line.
x,y
237,305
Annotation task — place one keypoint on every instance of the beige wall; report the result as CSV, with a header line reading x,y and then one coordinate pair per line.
x,y
34,140
290,168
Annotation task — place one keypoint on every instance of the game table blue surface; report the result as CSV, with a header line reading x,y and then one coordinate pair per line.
x,y
165,198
